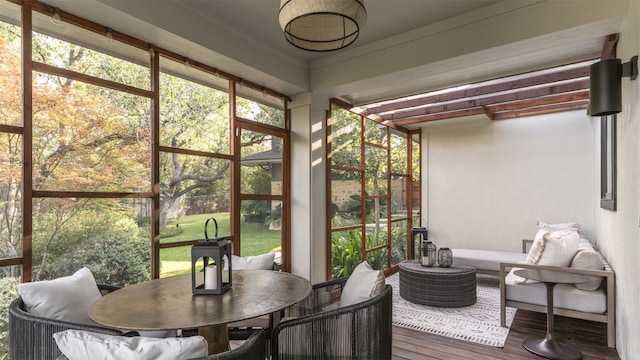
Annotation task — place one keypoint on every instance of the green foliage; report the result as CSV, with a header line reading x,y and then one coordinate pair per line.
x,y
107,242
346,252
8,293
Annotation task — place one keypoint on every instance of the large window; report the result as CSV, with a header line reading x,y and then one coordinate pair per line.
x,y
373,205
122,155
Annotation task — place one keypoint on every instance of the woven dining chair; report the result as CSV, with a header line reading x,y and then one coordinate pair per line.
x,y
318,328
31,336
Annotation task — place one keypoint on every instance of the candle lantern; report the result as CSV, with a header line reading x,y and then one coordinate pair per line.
x,y
428,253
214,252
445,257
416,234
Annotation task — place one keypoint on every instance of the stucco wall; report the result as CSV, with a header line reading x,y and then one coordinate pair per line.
x,y
488,184
619,231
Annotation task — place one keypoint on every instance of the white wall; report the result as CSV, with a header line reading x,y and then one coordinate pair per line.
x,y
486,185
619,231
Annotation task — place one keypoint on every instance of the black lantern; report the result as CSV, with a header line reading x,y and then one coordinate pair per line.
x,y
427,253
416,234
445,257
214,253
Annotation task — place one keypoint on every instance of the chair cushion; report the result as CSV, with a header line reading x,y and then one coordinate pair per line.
x,y
257,262
83,345
66,298
363,284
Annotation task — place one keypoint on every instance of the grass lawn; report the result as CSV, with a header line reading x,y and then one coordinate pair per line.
x,y
256,239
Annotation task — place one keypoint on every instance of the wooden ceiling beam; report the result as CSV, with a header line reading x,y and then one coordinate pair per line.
x,y
475,90
531,94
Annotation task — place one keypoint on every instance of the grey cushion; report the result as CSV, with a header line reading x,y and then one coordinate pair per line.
x,y
485,259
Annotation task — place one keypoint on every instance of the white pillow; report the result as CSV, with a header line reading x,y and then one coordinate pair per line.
x,y
363,284
562,226
555,248
83,345
560,248
257,262
587,258
67,298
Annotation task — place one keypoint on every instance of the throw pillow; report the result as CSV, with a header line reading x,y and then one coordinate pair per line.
x,y
363,284
537,248
66,298
555,248
587,258
562,226
560,247
82,345
257,262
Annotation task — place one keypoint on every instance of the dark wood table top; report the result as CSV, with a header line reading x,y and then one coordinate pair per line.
x,y
551,276
168,303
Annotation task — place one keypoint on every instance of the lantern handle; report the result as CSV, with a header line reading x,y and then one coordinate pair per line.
x,y
206,236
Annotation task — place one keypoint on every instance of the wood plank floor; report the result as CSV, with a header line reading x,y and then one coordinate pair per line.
x,y
587,336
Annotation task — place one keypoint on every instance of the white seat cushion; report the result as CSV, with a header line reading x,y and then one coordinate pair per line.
x,y
66,298
83,345
565,296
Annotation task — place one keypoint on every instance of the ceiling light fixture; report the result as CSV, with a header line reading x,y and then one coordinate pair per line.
x,y
322,25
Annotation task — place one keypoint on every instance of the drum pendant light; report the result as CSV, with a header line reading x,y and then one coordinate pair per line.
x,y
322,25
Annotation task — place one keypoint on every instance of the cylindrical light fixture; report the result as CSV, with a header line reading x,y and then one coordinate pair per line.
x,y
606,87
322,25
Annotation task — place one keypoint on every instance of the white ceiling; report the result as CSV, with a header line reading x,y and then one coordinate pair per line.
x,y
243,37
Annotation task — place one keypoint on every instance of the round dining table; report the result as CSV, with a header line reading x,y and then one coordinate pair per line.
x,y
168,304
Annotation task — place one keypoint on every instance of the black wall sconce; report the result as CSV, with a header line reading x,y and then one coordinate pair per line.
x,y
606,85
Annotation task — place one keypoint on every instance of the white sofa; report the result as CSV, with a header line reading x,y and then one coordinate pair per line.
x,y
594,301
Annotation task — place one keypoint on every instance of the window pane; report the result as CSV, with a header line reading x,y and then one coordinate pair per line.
x,y
260,107
399,153
346,252
87,138
346,138
398,241
110,236
376,170
81,59
261,163
192,189
375,132
415,157
399,196
10,75
193,116
175,261
260,227
11,196
346,198
378,259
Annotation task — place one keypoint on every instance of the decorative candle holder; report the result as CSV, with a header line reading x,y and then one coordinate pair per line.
x,y
445,257
213,252
427,253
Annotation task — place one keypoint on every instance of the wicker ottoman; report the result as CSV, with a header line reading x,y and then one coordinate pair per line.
x,y
436,286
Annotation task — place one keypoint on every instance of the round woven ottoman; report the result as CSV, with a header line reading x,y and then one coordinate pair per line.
x,y
436,286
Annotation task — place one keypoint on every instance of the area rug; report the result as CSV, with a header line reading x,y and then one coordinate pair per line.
x,y
478,323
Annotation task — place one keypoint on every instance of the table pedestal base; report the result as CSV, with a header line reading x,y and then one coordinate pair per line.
x,y
217,337
551,349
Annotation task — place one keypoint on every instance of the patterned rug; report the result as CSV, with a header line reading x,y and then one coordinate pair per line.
x,y
478,323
